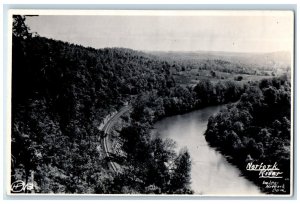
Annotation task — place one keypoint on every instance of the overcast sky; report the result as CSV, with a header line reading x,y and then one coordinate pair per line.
x,y
238,33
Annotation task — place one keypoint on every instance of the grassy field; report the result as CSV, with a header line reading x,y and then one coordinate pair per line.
x,y
193,76
191,67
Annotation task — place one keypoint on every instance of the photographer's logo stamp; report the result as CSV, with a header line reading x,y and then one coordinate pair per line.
x,y
21,187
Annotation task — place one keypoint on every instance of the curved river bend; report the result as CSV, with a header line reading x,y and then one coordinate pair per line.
x,y
211,173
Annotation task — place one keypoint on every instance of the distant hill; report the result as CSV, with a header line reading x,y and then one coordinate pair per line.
x,y
274,61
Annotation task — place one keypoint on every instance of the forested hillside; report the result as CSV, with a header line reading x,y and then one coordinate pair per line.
x,y
257,130
60,93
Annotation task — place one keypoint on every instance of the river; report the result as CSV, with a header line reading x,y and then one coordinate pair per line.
x,y
211,174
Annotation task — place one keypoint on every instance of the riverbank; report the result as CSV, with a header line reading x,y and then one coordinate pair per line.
x,y
255,135
210,173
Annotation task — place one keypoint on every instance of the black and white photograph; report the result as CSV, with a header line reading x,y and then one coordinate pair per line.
x,y
151,102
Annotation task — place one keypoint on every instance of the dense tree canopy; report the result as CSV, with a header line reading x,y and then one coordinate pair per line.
x,y
256,128
60,93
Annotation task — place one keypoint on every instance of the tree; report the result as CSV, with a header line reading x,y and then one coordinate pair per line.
x,y
270,96
181,177
20,29
238,78
204,91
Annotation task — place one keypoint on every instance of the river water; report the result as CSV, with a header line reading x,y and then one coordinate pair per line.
x,y
211,174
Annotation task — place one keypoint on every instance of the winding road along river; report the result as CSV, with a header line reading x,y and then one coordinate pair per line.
x,y
211,174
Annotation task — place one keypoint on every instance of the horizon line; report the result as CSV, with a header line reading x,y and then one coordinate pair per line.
x,y
190,51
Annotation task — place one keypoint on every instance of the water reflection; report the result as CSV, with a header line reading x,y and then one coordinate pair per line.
x,y
211,173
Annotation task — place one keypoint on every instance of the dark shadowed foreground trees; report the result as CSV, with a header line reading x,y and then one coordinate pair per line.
x,y
60,93
151,165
